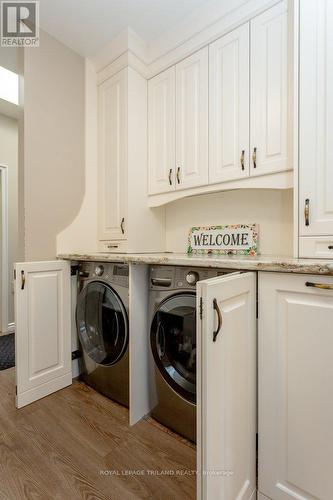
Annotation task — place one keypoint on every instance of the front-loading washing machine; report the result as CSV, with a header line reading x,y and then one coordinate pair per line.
x,y
172,307
102,327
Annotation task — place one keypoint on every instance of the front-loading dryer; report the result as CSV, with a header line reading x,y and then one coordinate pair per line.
x,y
173,345
102,327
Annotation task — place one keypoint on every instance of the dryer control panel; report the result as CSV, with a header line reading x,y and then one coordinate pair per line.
x,y
175,277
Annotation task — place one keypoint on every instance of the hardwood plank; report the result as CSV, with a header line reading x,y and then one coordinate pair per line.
x,y
77,444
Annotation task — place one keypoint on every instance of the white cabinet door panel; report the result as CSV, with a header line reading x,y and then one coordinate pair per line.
x,y
229,106
316,117
192,120
269,137
295,387
112,133
43,329
226,388
161,132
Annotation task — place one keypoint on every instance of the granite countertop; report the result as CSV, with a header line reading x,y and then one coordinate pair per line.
x,y
239,262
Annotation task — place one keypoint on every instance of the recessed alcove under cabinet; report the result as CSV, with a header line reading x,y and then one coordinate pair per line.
x,y
248,100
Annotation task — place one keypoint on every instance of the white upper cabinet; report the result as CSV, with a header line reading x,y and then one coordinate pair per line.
x,y
229,106
269,138
316,121
42,329
112,132
226,387
295,376
161,132
192,120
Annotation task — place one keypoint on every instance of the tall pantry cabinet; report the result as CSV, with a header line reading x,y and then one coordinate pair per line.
x,y
126,224
315,129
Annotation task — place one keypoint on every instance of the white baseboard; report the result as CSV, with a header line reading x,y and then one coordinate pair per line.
x,y
11,328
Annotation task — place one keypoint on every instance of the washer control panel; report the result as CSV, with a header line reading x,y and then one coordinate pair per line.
x,y
173,278
107,272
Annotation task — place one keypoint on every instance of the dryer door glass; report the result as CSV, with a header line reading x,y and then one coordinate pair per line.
x,y
173,343
101,322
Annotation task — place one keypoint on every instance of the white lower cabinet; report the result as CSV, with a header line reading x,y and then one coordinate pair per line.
x,y
295,373
42,329
226,387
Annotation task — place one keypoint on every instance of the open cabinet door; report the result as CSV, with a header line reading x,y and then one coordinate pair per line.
x,y
226,387
43,329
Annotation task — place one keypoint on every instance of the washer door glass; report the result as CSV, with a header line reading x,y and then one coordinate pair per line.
x,y
173,343
101,323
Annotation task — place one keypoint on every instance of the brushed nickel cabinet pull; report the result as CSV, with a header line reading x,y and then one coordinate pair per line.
x,y
219,319
242,159
322,286
178,175
122,225
254,157
307,212
170,176
22,280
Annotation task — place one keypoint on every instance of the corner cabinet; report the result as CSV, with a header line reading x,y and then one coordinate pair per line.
x,y
295,374
315,130
125,223
220,119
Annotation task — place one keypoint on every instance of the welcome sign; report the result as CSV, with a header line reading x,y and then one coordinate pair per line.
x,y
241,239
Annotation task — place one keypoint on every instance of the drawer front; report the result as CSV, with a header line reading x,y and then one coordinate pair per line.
x,y
320,247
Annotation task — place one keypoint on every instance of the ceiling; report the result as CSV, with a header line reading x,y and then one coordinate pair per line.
x,y
88,25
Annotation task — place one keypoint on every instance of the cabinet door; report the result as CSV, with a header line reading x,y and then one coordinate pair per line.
x,y
113,157
316,117
295,387
161,131
226,388
229,106
192,120
42,329
269,92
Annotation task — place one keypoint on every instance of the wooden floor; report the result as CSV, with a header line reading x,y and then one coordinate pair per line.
x,y
76,444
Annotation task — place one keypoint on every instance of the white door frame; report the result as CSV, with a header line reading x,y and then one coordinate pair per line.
x,y
4,249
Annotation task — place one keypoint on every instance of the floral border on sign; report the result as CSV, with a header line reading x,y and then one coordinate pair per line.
x,y
250,251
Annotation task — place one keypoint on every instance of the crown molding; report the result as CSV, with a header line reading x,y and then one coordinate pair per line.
x,y
204,26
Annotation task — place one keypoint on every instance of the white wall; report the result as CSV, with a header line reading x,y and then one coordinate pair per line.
x,y
53,143
81,235
271,209
9,157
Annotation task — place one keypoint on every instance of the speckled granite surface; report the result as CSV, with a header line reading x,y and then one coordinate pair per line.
x,y
258,263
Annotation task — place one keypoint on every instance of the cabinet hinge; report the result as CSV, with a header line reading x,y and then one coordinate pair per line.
x,y
200,307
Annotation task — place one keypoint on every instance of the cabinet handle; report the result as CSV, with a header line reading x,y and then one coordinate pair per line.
x,y
307,212
242,159
22,280
219,319
322,286
178,175
330,247
122,225
170,176
254,157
